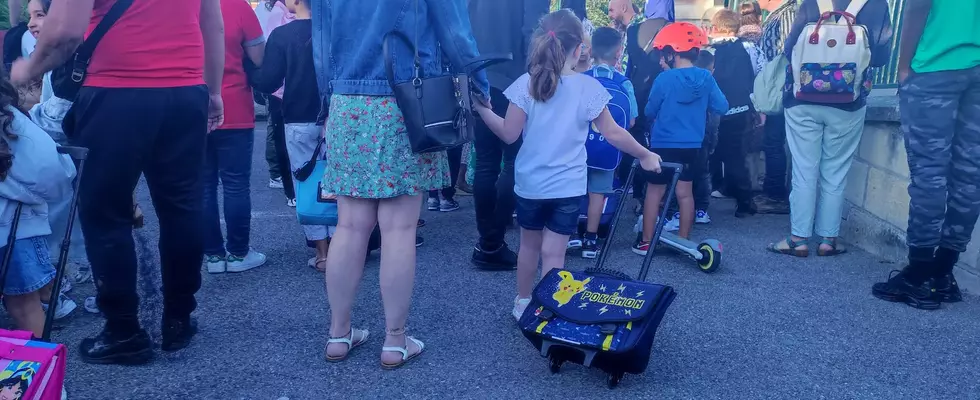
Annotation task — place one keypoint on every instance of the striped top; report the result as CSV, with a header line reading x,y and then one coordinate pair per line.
x,y
777,28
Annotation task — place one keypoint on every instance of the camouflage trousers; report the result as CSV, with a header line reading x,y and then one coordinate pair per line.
x,y
941,122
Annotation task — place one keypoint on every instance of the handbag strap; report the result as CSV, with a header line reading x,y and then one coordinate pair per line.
x,y
84,52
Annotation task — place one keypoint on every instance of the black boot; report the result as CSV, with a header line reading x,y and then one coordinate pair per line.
x,y
946,288
177,333
499,259
124,344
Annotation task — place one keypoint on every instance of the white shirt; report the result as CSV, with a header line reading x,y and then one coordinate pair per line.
x,y
552,161
27,43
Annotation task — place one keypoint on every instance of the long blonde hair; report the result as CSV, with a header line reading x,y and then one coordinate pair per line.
x,y
551,44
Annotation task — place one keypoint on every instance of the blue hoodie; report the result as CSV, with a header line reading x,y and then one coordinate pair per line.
x,y
678,105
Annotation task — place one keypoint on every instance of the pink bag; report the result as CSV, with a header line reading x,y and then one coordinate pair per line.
x,y
30,369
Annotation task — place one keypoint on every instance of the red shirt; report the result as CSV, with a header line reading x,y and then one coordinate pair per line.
x,y
242,29
155,44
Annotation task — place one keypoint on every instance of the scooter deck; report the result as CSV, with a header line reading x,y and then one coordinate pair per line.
x,y
680,244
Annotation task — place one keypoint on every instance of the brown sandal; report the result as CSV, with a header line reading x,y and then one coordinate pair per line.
x,y
792,248
834,248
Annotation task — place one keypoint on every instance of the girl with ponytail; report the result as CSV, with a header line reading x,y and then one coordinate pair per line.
x,y
553,106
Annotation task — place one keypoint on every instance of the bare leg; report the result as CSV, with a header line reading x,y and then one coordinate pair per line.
x,y
651,209
685,205
527,261
398,220
596,201
27,312
552,250
345,265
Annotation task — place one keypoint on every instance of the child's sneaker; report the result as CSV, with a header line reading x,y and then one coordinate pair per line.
x,y
83,274
702,217
64,307
673,223
718,195
638,226
641,247
291,203
216,264
574,242
590,246
65,284
519,306
448,205
91,306
432,204
275,183
251,260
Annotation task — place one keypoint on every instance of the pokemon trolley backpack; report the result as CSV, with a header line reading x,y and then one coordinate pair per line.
x,y
599,318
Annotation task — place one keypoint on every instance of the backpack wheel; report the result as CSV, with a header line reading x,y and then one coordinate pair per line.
x,y
614,379
555,365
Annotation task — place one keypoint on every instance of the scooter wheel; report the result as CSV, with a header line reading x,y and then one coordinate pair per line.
x,y
614,380
555,365
710,255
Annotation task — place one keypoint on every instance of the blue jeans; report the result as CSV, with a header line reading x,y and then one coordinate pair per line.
x,y
228,158
773,144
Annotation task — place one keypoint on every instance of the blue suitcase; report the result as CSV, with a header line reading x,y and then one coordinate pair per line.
x,y
599,318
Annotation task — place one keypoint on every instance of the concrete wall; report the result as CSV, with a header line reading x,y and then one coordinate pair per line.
x,y
877,210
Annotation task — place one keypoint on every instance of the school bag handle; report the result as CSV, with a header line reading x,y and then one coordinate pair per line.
x,y
827,16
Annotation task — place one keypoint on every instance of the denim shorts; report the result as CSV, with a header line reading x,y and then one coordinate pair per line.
x,y
558,215
30,266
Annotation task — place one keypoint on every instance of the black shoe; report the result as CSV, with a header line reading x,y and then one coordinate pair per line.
x,y
590,248
177,333
745,210
419,241
114,348
501,259
768,205
947,290
899,290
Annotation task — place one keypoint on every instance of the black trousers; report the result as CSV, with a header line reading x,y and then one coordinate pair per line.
x,y
730,155
638,131
493,185
277,128
455,156
159,133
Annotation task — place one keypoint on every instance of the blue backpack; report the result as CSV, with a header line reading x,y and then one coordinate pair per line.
x,y
602,154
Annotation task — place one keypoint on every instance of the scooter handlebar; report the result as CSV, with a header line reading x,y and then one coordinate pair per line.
x,y
678,168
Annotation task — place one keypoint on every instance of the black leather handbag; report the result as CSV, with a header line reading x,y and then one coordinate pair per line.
x,y
437,110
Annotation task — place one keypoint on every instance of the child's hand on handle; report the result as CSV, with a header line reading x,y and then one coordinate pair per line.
x,y
651,162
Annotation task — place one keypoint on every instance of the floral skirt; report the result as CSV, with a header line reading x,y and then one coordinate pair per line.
x,y
368,154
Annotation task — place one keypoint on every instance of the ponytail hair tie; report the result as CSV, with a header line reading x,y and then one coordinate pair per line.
x,y
551,33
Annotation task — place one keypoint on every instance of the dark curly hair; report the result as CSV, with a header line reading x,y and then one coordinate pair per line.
x,y
8,103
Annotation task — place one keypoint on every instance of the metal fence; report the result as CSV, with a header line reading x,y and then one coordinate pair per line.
x,y
887,76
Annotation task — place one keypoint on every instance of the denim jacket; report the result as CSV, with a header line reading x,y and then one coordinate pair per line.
x,y
348,36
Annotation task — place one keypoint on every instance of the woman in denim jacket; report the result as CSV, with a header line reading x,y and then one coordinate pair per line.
x,y
371,167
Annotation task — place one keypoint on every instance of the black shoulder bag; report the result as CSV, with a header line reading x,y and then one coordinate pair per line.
x,y
67,79
437,110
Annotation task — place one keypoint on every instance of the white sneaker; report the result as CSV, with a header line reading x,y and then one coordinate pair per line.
x,y
275,183
638,226
65,284
519,306
673,224
702,217
251,260
718,195
215,264
84,274
64,308
432,204
291,203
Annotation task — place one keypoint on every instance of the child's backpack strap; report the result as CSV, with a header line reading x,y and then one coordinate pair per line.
x,y
855,7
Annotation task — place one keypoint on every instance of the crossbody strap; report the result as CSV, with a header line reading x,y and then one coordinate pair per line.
x,y
84,52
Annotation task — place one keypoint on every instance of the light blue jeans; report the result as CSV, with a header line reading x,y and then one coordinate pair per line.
x,y
822,141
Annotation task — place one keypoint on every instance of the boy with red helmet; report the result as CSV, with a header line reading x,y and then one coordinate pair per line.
x,y
681,97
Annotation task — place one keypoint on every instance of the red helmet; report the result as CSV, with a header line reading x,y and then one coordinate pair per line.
x,y
681,36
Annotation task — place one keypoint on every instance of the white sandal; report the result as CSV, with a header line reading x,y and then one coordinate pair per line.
x,y
349,341
406,357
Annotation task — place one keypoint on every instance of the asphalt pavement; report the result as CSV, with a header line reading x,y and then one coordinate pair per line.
x,y
764,326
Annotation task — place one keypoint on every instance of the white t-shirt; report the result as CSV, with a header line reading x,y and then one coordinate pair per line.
x,y
27,43
552,161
